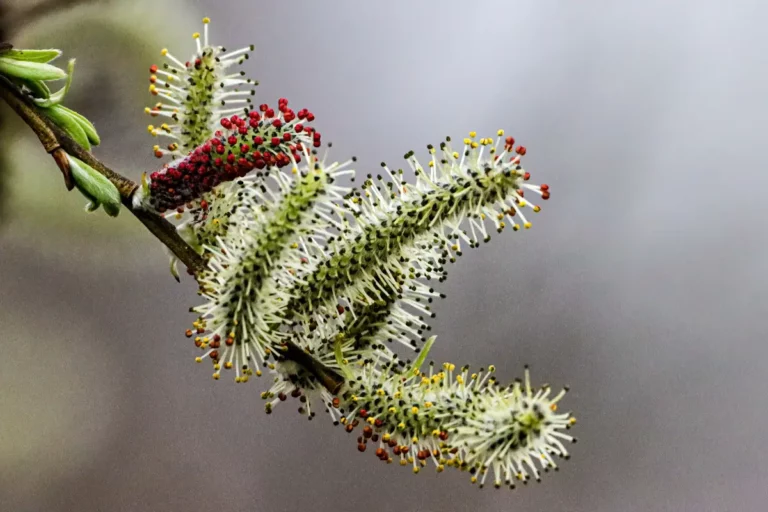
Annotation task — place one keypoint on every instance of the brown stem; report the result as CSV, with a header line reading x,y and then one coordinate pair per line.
x,y
59,144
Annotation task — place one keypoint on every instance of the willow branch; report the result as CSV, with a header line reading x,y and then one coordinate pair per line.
x,y
58,144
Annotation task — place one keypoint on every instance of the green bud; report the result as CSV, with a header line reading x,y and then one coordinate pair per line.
x,y
95,187
29,70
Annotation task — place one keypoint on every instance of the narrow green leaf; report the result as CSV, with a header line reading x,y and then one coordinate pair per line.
x,y
41,56
95,186
29,70
65,120
57,97
86,125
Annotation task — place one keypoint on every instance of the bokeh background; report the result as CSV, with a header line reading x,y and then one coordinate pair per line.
x,y
643,285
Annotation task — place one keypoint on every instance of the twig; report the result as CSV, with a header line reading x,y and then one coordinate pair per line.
x,y
56,142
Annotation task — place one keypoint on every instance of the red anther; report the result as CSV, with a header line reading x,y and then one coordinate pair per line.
x,y
244,148
363,413
340,309
317,143
545,195
260,164
289,116
269,113
277,123
220,149
204,205
443,435
216,337
381,452
258,141
214,355
544,187
158,153
302,113
254,115
520,150
216,141
153,68
310,116
152,79
396,450
256,155
299,127
526,176
215,344
198,343
218,162
242,130
232,140
349,427
361,447
230,159
367,431
275,141
335,402
254,123
286,136
263,107
378,422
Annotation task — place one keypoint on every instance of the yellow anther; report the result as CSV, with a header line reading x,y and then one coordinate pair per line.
x,y
537,208
414,410
164,52
473,479
206,20
474,145
392,410
371,420
196,35
271,366
228,365
467,141
516,227
572,421
428,404
380,392
385,438
237,380
198,359
244,378
216,376
147,110
403,462
354,398
527,225
401,425
217,367
295,170
440,468
460,379
474,376
431,163
455,154
258,373
473,134
482,216
150,128
491,368
451,367
415,469
500,133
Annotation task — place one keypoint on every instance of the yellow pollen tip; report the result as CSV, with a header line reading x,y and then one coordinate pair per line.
x,y
403,462
196,35
474,145
164,52
147,110
455,154
415,410
537,209
473,134
198,359
415,470
216,376
553,407
500,133
206,20
467,141
527,225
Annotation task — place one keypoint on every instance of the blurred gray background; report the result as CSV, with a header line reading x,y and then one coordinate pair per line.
x,y
643,285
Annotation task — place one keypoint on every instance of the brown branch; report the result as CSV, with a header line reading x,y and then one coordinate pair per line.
x,y
57,143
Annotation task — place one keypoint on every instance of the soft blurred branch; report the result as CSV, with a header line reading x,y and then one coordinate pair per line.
x,y
58,144
24,16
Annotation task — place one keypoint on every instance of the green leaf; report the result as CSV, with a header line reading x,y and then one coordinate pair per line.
x,y
64,119
95,187
57,97
41,56
29,70
86,125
